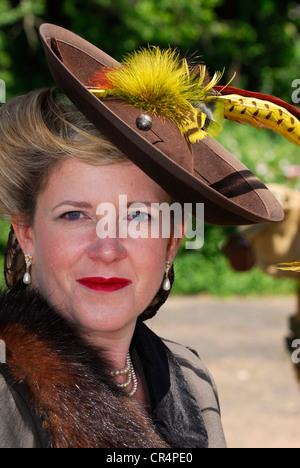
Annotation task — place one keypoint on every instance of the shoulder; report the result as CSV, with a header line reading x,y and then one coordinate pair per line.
x,y
17,426
194,370
203,388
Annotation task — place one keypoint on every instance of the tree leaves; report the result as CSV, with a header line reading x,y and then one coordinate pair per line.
x,y
258,40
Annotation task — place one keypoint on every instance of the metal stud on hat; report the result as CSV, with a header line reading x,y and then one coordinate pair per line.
x,y
144,122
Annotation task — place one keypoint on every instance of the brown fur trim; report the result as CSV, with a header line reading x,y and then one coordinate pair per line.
x,y
67,381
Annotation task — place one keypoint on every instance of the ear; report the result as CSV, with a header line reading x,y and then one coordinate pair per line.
x,y
174,242
24,235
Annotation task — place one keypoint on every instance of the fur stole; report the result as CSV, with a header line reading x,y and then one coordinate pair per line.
x,y
66,381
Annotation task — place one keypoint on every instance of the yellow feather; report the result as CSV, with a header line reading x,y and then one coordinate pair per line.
x,y
260,113
295,266
159,82
193,127
100,93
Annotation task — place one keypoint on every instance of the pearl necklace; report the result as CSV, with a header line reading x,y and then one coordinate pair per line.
x,y
131,376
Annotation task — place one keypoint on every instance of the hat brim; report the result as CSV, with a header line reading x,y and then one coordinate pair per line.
x,y
204,173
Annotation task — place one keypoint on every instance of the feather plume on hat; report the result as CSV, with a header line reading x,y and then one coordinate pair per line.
x,y
261,110
159,82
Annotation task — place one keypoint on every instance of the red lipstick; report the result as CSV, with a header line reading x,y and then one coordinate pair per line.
x,y
105,284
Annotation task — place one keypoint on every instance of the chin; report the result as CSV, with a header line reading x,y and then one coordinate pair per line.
x,y
101,318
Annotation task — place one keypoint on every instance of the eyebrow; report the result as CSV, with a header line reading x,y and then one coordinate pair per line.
x,y
86,205
74,204
139,203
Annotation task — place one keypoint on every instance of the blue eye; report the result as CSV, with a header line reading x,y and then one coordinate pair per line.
x,y
72,215
139,216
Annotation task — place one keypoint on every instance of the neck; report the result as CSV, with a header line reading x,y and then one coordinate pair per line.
x,y
115,344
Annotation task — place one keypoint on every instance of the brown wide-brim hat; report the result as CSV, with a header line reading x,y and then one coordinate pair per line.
x,y
204,172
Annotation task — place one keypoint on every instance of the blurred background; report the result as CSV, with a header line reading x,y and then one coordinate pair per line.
x,y
259,41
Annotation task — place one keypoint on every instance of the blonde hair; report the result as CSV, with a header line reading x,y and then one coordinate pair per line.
x,y
38,131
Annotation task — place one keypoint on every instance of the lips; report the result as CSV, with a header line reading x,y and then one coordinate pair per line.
x,y
105,284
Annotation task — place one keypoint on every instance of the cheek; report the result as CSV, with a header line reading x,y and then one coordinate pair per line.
x,y
57,253
151,277
148,259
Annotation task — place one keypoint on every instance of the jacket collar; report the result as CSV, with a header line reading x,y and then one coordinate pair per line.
x,y
175,410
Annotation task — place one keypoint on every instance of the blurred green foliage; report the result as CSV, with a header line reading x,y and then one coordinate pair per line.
x,y
259,41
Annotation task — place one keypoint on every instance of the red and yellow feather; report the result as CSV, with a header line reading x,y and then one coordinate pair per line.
x,y
159,82
261,110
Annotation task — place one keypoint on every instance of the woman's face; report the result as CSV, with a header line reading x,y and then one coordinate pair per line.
x,y
71,263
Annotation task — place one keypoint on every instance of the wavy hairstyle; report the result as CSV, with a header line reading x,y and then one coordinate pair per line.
x,y
38,131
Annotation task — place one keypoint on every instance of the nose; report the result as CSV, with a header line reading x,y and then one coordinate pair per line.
x,y
107,250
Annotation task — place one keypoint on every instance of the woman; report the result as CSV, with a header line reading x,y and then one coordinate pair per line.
x,y
60,170
82,370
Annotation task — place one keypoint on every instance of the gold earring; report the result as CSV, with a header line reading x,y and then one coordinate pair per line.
x,y
27,276
167,282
